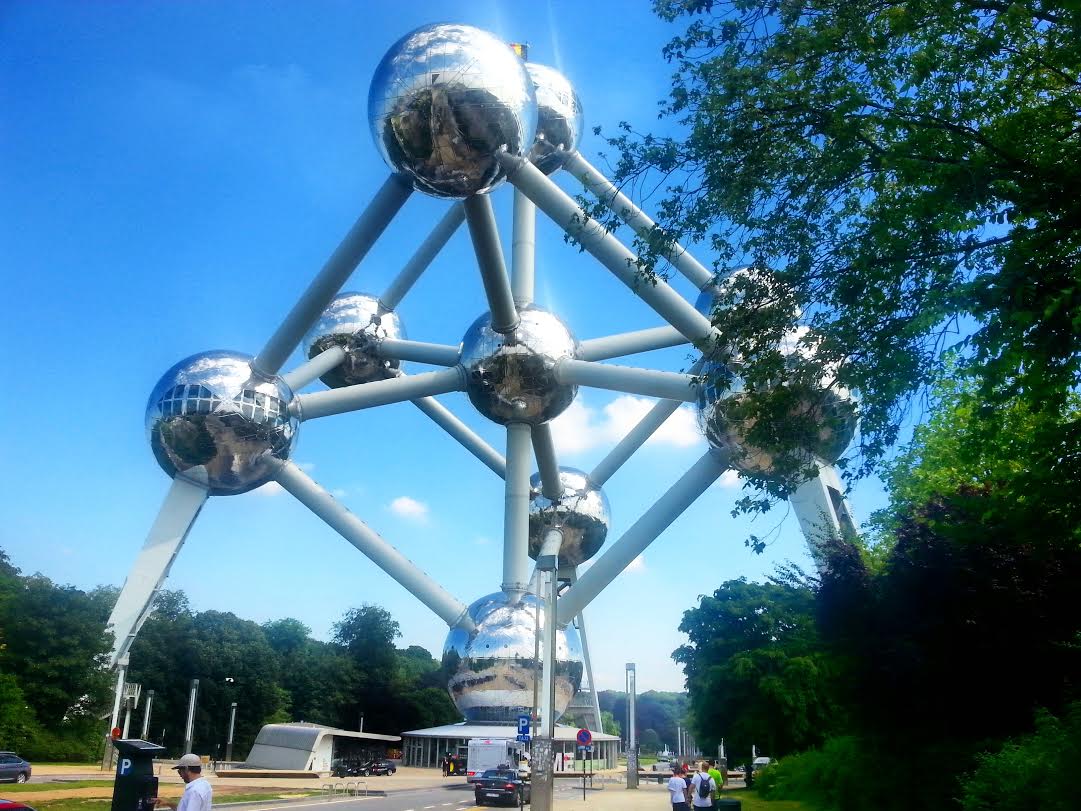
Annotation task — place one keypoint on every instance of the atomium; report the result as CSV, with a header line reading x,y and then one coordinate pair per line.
x,y
212,421
445,101
511,378
491,670
559,118
719,407
454,112
581,513
357,323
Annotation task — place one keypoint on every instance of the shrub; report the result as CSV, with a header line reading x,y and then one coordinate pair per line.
x,y
1033,771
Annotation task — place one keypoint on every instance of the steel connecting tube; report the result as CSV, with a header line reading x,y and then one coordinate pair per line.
x,y
608,250
406,573
380,392
493,270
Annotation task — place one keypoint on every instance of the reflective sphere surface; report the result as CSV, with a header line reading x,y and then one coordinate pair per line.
x,y
511,378
214,422
444,101
582,513
491,670
831,408
357,323
559,118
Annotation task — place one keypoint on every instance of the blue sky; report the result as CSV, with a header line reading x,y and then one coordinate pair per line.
x,y
171,176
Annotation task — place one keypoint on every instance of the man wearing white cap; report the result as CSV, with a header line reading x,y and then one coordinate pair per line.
x,y
197,793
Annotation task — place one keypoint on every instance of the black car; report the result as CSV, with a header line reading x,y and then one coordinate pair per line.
x,y
379,767
14,768
501,786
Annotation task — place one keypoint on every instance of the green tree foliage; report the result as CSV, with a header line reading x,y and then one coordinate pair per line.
x,y
650,740
1033,771
52,646
610,726
907,170
756,670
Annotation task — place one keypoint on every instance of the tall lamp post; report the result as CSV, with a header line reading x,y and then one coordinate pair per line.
x,y
229,741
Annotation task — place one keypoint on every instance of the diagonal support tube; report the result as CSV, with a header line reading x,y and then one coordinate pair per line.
x,y
637,436
648,382
822,511
167,535
423,257
523,249
314,368
406,573
419,351
641,224
493,270
630,343
608,250
356,244
380,392
635,540
465,436
545,451
516,509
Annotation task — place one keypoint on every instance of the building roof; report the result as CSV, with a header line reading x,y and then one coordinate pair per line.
x,y
464,730
291,746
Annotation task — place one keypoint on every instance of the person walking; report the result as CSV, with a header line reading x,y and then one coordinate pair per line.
x,y
718,778
677,789
703,788
198,794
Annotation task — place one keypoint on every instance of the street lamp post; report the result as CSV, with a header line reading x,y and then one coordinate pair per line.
x,y
632,737
146,713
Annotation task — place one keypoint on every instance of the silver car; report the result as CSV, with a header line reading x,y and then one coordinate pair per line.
x,y
14,768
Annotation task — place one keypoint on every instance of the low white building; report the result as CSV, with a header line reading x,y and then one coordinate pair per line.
x,y
313,747
426,747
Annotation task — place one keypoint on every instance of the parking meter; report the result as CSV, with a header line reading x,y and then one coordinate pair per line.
x,y
135,787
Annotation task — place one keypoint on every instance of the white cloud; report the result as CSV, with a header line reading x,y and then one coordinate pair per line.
x,y
409,508
338,492
580,427
269,489
307,467
636,565
728,480
480,540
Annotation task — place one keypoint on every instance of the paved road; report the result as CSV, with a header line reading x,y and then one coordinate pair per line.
x,y
458,797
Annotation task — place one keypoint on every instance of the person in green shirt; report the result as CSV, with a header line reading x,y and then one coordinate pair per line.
x,y
718,780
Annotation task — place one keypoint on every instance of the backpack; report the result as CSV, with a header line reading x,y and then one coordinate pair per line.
x,y
703,785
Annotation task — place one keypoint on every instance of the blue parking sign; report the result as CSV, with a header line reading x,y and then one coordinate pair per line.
x,y
523,724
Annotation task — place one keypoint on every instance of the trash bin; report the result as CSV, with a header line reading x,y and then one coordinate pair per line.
x,y
135,787
730,804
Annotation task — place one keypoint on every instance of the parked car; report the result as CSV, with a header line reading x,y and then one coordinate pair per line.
x,y
378,767
760,763
13,767
501,785
13,805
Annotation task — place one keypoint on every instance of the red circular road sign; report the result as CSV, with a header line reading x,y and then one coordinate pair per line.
x,y
584,737
116,733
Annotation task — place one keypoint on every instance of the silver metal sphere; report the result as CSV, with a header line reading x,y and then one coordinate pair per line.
x,y
490,672
582,514
211,420
511,378
559,118
832,407
356,322
444,101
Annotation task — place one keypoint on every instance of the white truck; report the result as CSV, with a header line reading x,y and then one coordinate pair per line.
x,y
489,753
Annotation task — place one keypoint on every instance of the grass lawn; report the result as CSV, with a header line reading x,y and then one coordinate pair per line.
x,y
58,785
752,802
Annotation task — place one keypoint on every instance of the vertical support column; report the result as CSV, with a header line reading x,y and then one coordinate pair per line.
x,y
121,675
516,509
632,736
523,250
232,726
146,714
193,697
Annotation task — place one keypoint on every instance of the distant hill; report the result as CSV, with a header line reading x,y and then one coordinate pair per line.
x,y
656,710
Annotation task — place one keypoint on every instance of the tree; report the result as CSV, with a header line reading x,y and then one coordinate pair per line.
x,y
899,173
756,670
610,726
